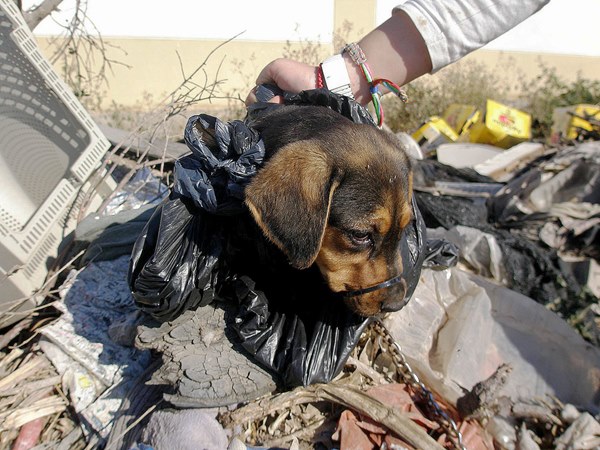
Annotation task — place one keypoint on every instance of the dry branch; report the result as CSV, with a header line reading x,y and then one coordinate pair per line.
x,y
35,15
22,372
347,395
45,407
32,386
83,54
189,92
7,337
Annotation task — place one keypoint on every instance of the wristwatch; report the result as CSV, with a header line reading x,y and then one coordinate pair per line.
x,y
335,75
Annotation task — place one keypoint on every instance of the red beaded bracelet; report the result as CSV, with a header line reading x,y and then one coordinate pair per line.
x,y
320,83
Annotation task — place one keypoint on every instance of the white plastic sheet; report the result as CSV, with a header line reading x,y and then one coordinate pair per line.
x,y
458,328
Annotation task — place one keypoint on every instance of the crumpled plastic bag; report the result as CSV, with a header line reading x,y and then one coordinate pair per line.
x,y
214,179
560,196
173,261
198,246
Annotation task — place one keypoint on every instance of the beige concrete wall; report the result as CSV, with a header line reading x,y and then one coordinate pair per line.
x,y
155,66
352,19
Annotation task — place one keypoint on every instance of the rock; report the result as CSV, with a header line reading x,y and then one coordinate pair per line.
x,y
203,360
187,429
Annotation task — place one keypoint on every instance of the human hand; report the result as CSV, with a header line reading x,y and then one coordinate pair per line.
x,y
289,75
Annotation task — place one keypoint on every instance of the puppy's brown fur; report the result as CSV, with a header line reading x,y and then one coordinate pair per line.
x,y
337,194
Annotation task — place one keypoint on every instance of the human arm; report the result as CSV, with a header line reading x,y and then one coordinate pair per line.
x,y
420,37
395,50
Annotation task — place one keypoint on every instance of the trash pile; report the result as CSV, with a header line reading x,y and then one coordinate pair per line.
x,y
499,125
497,345
503,127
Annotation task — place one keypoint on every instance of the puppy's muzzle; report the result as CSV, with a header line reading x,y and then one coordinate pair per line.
x,y
394,303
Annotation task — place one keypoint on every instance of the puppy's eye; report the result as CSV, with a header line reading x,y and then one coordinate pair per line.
x,y
360,237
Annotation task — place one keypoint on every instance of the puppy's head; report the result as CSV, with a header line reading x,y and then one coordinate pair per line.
x,y
340,199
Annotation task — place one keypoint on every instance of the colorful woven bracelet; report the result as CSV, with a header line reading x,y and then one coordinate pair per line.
x,y
359,58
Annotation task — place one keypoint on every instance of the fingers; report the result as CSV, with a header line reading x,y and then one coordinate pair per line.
x,y
271,72
264,77
289,75
252,98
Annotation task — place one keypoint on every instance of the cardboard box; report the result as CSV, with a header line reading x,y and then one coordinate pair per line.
x,y
461,117
503,126
434,133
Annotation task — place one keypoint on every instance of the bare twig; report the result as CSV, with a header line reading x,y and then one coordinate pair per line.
x,y
43,292
188,93
41,408
14,354
306,432
134,423
15,331
367,371
68,442
22,372
479,401
80,51
33,386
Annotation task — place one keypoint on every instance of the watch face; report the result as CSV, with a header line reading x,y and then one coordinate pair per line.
x,y
336,76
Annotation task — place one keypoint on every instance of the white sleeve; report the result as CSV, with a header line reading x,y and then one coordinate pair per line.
x,y
454,28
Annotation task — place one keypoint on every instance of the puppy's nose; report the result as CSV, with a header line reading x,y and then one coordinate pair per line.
x,y
394,297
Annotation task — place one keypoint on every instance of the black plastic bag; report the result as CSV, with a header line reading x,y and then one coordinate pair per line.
x,y
200,244
173,264
214,178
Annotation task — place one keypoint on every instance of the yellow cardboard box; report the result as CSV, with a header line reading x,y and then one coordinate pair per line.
x,y
433,133
503,126
461,117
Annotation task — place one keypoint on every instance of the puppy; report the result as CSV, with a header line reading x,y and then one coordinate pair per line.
x,y
336,194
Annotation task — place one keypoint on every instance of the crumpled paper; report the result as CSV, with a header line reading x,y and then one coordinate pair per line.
x,y
94,368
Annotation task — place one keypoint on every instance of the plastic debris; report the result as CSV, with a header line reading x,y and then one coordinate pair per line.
x,y
466,154
575,122
459,328
583,434
143,189
500,126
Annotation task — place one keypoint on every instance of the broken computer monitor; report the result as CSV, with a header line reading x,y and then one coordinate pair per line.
x,y
49,147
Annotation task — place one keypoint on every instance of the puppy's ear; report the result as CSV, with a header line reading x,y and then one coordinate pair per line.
x,y
290,199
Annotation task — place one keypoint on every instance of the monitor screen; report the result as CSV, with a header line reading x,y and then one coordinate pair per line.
x,y
41,138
